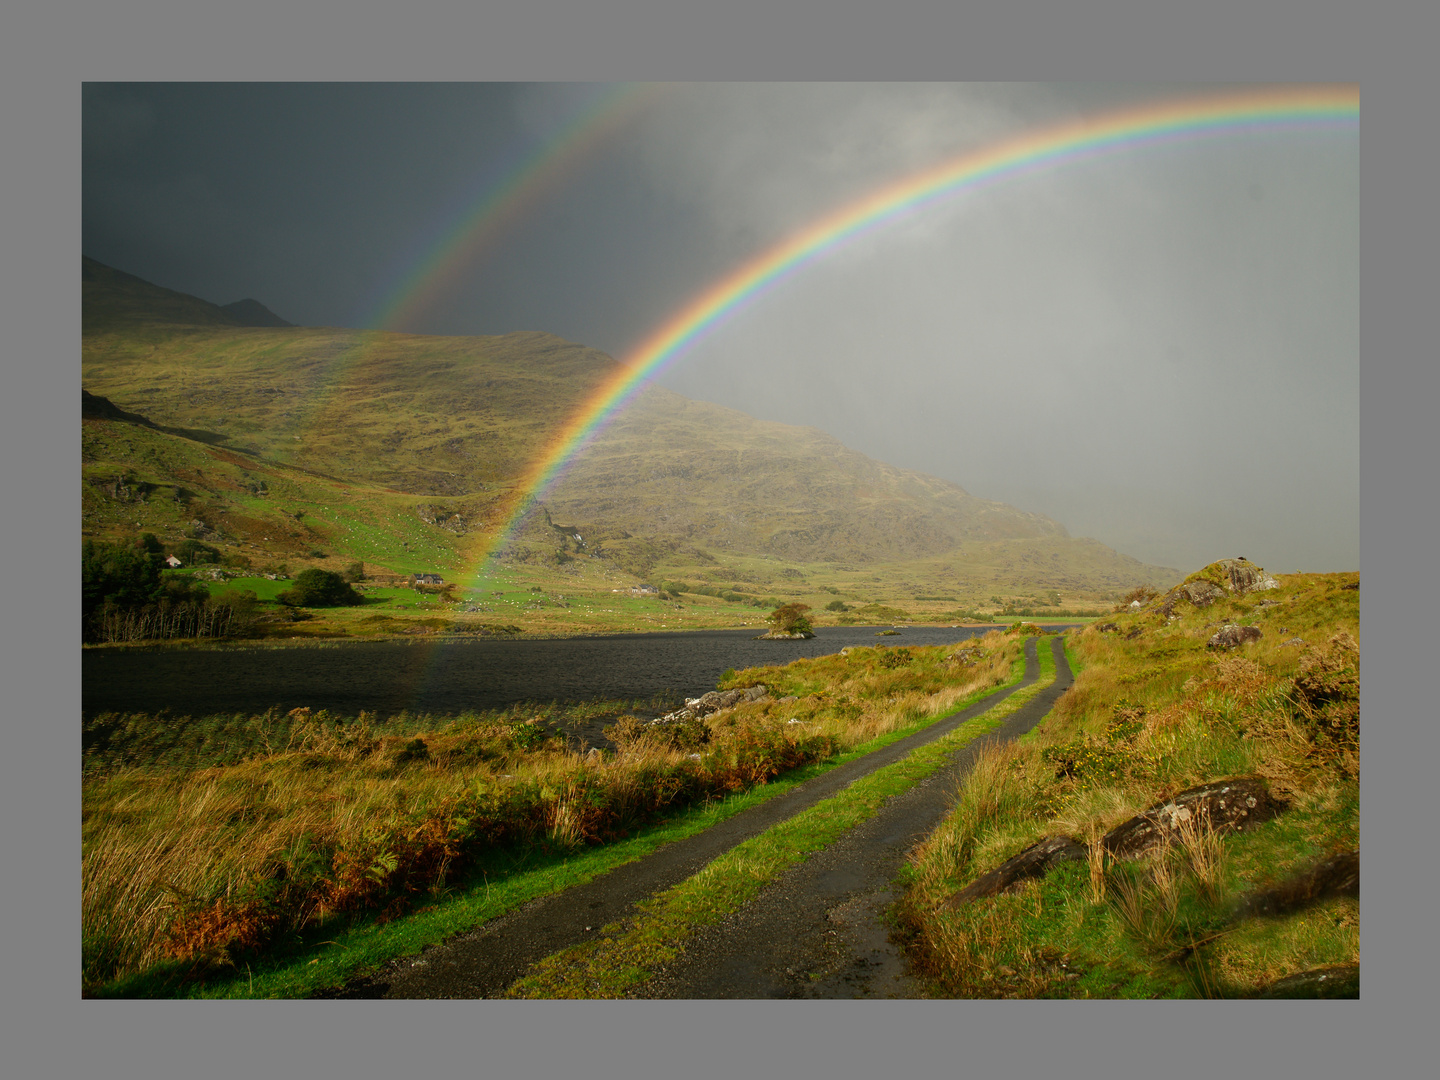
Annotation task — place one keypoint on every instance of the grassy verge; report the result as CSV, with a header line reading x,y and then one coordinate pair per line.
x,y
1155,711
629,951
190,873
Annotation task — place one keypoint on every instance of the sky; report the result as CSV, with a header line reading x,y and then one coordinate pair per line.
x,y
1157,346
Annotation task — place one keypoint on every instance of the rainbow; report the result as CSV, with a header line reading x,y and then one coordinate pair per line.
x,y
502,203
487,213
1021,153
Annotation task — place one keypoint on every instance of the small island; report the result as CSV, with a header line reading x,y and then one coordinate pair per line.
x,y
788,623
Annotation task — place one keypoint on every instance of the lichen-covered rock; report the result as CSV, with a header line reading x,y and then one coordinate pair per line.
x,y
1230,636
1033,862
713,702
1202,593
1243,576
1225,806
1338,875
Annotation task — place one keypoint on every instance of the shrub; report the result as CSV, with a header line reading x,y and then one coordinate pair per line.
x,y
319,588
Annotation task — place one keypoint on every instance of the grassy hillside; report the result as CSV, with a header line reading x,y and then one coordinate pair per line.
x,y
404,451
1156,711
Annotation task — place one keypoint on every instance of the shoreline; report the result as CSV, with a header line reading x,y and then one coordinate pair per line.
x,y
316,641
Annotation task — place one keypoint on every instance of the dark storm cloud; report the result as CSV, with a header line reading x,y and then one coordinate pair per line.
x,y
314,195
1158,346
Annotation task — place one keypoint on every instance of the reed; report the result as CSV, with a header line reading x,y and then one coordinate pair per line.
x,y
317,816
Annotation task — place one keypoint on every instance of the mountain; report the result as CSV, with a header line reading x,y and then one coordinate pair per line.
x,y
115,299
253,313
439,430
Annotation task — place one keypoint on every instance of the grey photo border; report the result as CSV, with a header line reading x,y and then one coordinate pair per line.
x,y
50,51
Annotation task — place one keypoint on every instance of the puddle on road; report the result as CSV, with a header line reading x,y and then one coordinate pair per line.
x,y
877,968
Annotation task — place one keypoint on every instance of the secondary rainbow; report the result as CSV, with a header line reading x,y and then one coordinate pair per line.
x,y
1025,152
486,215
503,203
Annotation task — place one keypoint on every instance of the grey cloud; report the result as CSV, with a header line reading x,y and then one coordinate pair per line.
x,y
1157,345
1172,329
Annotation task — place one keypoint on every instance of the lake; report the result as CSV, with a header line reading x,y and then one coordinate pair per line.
x,y
386,677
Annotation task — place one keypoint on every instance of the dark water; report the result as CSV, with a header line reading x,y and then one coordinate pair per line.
x,y
452,676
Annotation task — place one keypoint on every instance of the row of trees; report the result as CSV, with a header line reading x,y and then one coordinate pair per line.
x,y
163,620
125,595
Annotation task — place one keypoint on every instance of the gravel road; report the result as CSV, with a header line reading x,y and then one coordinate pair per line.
x,y
816,931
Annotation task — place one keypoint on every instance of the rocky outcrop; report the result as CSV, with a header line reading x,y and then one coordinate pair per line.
x,y
1224,806
1230,636
712,703
442,517
1226,577
1033,862
1338,875
1202,593
964,658
1243,576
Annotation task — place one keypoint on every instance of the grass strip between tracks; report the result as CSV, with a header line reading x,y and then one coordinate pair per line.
x,y
628,951
502,884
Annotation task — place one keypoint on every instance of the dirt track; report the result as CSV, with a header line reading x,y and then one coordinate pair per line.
x,y
814,932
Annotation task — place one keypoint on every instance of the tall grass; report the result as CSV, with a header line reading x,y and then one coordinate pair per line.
x,y
1154,711
317,816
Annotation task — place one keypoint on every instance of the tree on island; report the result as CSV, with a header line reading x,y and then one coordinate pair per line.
x,y
790,619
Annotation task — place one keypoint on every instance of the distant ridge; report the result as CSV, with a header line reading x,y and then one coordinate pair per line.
x,y
114,299
254,313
